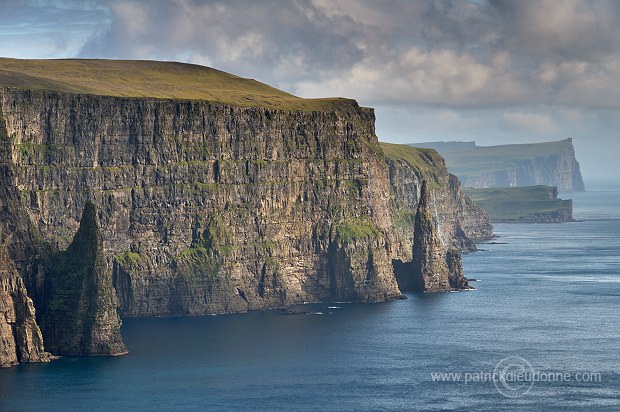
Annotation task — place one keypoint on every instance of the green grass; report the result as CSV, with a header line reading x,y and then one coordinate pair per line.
x,y
129,259
426,161
153,79
356,228
421,159
517,203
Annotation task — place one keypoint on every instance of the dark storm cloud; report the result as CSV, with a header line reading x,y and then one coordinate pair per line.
x,y
267,39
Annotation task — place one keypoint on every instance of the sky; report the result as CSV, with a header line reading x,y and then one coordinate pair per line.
x,y
496,71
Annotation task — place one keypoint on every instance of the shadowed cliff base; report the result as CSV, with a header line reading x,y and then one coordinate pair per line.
x,y
79,316
432,269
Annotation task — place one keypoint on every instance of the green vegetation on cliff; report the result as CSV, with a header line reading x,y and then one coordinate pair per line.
x,y
153,79
355,229
420,158
516,204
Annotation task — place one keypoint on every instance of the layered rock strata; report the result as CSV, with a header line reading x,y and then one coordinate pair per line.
x,y
192,207
207,208
530,164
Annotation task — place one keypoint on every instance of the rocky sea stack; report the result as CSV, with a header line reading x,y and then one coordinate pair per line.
x,y
434,268
200,192
79,312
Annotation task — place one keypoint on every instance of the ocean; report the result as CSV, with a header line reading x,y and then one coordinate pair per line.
x,y
540,332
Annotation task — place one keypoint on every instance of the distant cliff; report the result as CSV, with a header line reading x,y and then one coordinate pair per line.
x,y
530,204
548,163
165,206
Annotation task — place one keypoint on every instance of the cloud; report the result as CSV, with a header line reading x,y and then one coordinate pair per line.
x,y
441,53
563,29
248,38
530,122
48,28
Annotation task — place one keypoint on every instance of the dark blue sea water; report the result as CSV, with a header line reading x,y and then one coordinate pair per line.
x,y
547,294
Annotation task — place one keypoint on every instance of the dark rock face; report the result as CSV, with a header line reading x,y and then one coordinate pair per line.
x,y
456,278
20,337
432,268
79,316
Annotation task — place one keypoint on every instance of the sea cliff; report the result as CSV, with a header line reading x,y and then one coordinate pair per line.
x,y
144,206
530,164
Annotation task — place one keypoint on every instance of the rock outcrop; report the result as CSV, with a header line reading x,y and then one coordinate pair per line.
x,y
432,269
461,222
20,337
79,311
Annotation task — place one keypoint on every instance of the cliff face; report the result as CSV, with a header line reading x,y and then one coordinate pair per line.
x,y
433,220
548,163
461,222
167,207
433,268
531,204
207,208
20,337
79,307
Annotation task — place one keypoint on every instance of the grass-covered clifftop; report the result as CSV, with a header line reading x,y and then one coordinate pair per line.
x,y
152,79
523,204
427,161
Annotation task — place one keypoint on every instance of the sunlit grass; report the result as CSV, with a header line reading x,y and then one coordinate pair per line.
x,y
153,79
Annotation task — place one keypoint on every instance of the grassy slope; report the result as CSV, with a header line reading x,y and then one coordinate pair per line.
x,y
152,79
515,203
424,160
484,159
